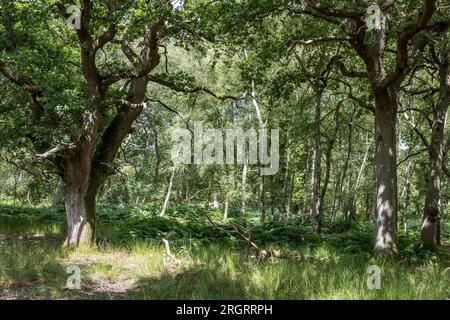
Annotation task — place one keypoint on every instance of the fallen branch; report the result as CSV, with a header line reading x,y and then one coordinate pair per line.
x,y
236,229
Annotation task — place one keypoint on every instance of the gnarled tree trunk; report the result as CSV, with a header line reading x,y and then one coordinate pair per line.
x,y
80,207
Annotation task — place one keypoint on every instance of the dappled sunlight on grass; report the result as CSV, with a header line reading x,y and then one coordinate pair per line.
x,y
326,267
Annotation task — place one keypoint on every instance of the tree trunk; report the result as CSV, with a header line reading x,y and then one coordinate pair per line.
x,y
337,183
343,195
215,202
158,156
369,205
15,188
445,204
317,211
328,157
286,209
225,210
306,181
272,197
430,227
386,242
79,203
290,192
262,204
433,194
347,209
244,187
359,178
169,191
405,196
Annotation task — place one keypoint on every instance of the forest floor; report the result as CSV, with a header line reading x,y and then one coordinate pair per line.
x,y
210,261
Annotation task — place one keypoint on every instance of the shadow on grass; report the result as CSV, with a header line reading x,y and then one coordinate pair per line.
x,y
29,268
189,285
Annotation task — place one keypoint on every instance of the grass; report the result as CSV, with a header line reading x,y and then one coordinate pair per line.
x,y
334,266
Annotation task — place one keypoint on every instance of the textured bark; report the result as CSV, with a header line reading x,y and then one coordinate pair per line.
x,y
89,165
433,194
348,209
87,162
386,242
79,204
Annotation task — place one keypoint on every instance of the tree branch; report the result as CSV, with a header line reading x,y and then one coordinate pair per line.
x,y
422,112
52,152
142,66
319,40
405,37
111,32
337,60
350,95
165,106
123,102
419,133
26,85
328,11
178,88
40,175
412,155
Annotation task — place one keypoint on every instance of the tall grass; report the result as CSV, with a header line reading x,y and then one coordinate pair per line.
x,y
333,266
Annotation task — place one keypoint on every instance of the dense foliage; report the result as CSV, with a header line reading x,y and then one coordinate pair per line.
x,y
87,116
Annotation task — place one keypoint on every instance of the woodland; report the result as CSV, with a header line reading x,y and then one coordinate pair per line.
x,y
340,188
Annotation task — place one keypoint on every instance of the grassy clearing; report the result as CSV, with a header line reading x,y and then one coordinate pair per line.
x,y
333,266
